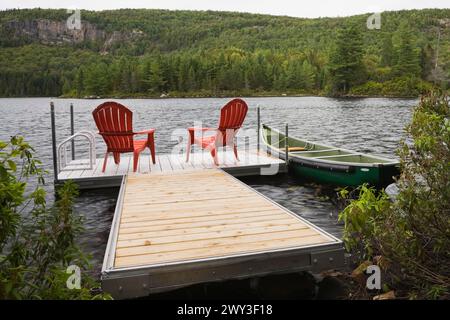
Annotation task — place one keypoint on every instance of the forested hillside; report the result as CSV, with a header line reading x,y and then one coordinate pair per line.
x,y
138,52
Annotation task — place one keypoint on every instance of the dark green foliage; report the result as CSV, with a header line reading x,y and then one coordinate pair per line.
x,y
346,66
407,54
397,87
218,53
410,237
37,243
387,51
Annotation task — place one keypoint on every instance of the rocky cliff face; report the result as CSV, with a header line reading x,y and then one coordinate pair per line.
x,y
56,32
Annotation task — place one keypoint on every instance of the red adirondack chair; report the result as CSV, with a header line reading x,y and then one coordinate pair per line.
x,y
115,124
232,116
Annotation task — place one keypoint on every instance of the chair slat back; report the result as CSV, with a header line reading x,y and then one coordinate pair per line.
x,y
232,117
115,123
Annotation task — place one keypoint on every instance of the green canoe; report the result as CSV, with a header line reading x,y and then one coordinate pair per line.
x,y
326,164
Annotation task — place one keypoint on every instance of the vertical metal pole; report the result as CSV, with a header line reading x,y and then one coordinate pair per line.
x,y
258,120
247,148
286,144
55,163
72,130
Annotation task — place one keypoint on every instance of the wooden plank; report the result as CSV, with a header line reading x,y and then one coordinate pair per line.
x,y
175,162
72,169
75,174
138,200
213,177
170,218
171,181
208,161
93,172
253,205
215,225
208,208
137,192
231,160
220,235
180,160
159,245
187,165
154,191
222,157
181,199
183,215
176,186
130,167
186,207
196,159
209,219
63,175
186,195
179,221
124,164
155,167
216,251
195,182
165,163
111,167
144,164
205,159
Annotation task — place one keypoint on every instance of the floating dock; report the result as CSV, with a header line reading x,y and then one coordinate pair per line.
x,y
181,227
181,223
251,163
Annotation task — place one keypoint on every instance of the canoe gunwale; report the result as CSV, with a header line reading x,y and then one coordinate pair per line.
x,y
324,163
327,166
314,151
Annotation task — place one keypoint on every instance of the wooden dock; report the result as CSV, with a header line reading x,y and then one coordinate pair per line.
x,y
181,227
251,163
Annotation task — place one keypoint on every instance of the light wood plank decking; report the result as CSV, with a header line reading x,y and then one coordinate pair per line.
x,y
201,216
250,163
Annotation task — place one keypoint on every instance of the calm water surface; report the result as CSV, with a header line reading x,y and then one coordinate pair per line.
x,y
372,125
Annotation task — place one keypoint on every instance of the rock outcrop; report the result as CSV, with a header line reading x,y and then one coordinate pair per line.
x,y
56,32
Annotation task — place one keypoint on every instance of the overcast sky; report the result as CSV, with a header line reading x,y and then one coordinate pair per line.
x,y
295,8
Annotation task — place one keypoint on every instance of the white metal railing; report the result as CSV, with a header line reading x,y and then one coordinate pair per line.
x,y
63,148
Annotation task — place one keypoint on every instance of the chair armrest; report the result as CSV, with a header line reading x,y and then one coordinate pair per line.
x,y
191,131
201,129
145,131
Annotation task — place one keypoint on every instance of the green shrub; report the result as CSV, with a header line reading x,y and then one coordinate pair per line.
x,y
399,87
361,218
37,243
370,88
412,233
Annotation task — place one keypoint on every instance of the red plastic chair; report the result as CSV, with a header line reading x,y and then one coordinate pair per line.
x,y
115,124
232,116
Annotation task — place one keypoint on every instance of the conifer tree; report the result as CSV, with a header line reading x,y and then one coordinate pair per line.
x,y
346,67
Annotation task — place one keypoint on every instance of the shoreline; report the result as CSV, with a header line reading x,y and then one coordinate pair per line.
x,y
217,97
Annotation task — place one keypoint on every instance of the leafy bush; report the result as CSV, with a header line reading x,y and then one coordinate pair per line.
x,y
402,86
370,88
411,235
37,243
361,218
399,87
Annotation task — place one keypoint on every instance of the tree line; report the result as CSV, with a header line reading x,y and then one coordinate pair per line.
x,y
353,60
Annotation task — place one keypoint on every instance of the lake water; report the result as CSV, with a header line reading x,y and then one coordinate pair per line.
x,y
372,125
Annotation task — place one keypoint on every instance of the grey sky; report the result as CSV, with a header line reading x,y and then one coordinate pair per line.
x,y
296,8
